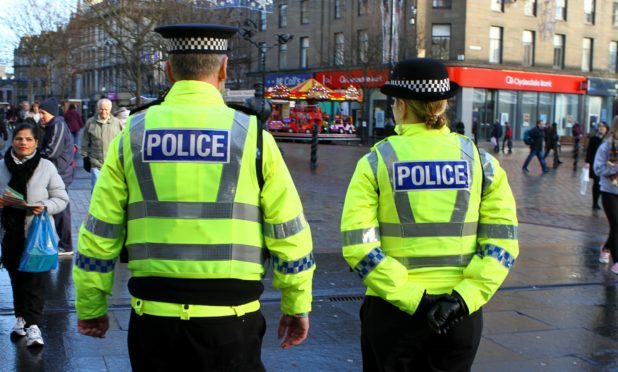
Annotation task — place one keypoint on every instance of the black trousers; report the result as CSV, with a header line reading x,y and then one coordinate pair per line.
x,y
596,190
28,295
610,206
392,340
62,222
201,344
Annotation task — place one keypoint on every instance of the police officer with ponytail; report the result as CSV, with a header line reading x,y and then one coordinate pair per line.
x,y
200,197
429,224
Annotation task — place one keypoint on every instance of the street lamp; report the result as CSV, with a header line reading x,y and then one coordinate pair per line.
x,y
259,103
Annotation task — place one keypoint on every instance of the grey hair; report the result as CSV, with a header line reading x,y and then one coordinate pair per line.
x,y
102,101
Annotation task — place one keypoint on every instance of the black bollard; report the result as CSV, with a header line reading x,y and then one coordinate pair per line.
x,y
314,147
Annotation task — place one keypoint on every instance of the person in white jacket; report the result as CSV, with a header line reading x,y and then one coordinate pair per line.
x,y
37,179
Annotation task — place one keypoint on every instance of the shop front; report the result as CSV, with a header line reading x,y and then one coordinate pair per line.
x,y
600,101
369,81
520,98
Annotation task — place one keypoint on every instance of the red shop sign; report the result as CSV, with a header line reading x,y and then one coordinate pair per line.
x,y
517,80
358,78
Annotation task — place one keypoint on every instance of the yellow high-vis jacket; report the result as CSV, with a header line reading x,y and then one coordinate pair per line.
x,y
179,184
419,216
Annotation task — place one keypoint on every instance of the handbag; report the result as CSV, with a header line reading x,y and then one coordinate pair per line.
x,y
41,251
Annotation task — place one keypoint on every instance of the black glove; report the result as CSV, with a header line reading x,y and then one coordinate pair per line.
x,y
446,312
87,165
428,301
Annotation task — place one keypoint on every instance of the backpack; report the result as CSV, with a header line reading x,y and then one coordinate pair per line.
x,y
527,138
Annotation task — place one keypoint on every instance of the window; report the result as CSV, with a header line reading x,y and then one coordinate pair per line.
x,y
589,11
527,39
283,15
615,14
497,5
363,46
495,45
558,51
263,21
304,12
530,8
363,7
441,41
283,56
304,52
338,9
441,4
339,49
560,10
587,54
613,57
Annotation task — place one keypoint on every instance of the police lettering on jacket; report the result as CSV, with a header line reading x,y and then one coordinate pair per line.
x,y
194,145
431,175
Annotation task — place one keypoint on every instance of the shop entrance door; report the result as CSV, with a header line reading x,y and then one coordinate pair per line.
x,y
483,111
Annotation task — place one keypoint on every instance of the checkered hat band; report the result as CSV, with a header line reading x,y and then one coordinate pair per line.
x,y
204,44
423,86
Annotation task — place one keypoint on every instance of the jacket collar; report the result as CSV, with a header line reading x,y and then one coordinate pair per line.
x,y
408,130
188,91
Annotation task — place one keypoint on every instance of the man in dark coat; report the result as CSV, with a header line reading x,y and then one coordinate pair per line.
x,y
551,143
74,121
536,148
57,146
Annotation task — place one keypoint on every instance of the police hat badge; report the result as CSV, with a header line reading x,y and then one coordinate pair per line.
x,y
196,37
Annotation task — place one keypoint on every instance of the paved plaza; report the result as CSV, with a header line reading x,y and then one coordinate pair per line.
x,y
557,311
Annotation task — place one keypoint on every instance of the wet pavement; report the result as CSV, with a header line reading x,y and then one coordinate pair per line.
x,y
557,311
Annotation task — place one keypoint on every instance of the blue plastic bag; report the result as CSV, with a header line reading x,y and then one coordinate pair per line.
x,y
41,252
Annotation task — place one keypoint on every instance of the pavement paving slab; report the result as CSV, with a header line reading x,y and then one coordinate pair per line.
x,y
557,310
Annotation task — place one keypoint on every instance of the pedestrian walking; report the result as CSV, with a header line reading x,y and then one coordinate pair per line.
x,y
551,144
536,147
34,115
606,167
198,211
122,114
475,131
577,136
75,122
56,144
431,238
508,138
25,171
593,145
99,132
496,133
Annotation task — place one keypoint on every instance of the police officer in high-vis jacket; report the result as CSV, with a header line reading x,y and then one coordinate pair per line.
x,y
429,224
180,189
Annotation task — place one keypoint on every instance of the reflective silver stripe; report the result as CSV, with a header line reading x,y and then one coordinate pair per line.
x,y
420,262
463,195
187,210
197,252
121,150
102,228
495,231
369,262
142,169
402,202
229,174
372,158
488,168
285,229
437,229
361,236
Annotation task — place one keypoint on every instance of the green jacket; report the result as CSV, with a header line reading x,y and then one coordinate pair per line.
x,y
96,138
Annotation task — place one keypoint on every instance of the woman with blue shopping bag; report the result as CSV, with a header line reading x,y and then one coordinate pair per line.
x,y
24,174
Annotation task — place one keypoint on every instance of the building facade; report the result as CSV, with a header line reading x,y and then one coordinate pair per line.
x,y
541,60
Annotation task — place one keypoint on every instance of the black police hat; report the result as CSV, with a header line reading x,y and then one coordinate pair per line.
x,y
196,37
422,79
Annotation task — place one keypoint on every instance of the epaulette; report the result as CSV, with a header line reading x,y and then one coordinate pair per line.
x,y
150,104
242,108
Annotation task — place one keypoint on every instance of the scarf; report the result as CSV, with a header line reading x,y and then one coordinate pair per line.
x,y
14,219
